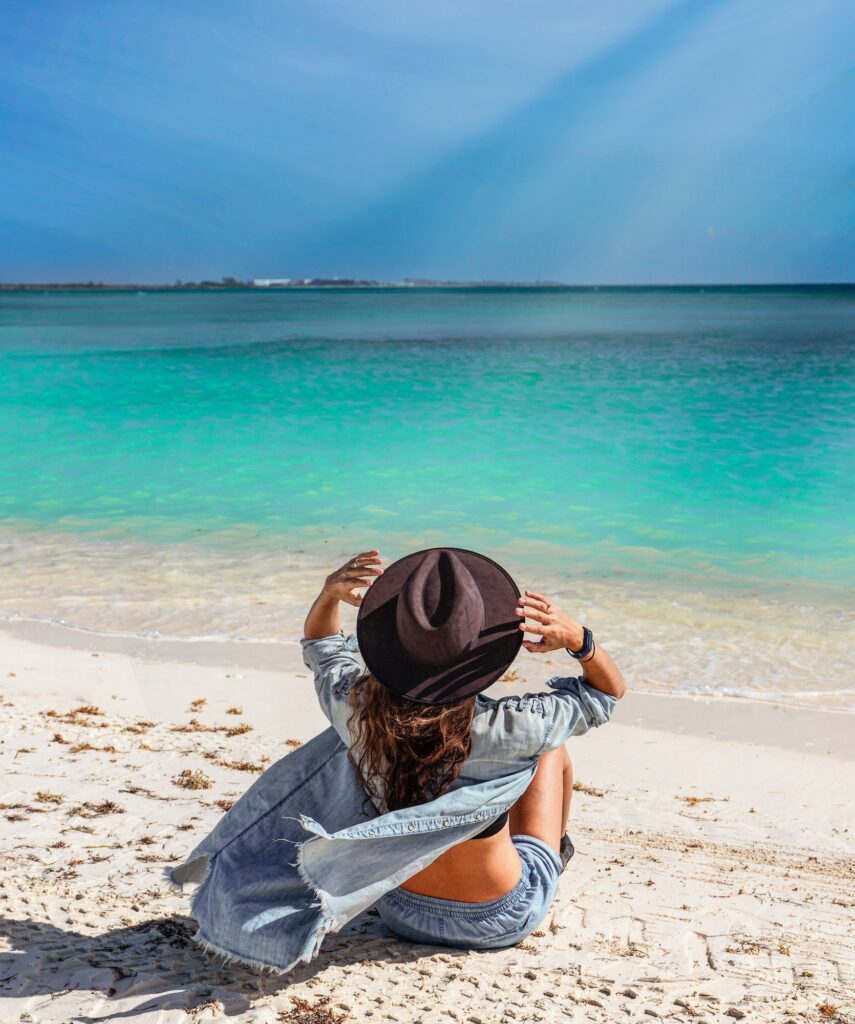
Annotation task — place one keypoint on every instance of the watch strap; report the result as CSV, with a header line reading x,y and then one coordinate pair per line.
x,y
586,651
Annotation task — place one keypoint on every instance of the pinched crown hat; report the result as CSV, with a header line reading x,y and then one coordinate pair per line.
x,y
439,625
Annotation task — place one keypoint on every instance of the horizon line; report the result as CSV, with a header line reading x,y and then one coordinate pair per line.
x,y
233,284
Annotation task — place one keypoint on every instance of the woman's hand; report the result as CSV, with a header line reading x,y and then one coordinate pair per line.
x,y
344,583
556,629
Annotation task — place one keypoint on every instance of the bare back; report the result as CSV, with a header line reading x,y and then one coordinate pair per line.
x,y
542,811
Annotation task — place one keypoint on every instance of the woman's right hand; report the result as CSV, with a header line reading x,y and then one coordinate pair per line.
x,y
343,584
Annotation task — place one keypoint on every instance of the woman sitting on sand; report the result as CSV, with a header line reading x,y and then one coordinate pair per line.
x,y
417,759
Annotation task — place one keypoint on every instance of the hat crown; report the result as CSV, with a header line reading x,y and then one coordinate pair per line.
x,y
440,611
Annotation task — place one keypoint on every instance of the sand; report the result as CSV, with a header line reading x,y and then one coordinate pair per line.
x,y
713,877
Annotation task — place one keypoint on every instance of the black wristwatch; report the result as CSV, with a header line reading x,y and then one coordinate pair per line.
x,y
586,651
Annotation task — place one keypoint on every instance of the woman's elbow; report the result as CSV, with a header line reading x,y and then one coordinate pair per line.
x,y
616,687
620,686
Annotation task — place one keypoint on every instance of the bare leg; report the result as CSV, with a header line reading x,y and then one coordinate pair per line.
x,y
544,809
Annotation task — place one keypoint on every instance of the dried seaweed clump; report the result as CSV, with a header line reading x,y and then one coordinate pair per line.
x,y
82,715
239,766
140,727
93,810
693,801
194,725
580,787
188,779
304,1012
49,798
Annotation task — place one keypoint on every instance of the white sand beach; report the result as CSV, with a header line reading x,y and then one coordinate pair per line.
x,y
713,879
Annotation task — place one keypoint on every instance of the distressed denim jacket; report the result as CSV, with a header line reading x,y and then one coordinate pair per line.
x,y
303,851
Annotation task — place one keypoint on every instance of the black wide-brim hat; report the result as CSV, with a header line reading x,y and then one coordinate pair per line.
x,y
439,625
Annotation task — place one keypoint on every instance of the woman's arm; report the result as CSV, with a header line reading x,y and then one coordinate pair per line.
x,y
332,660
342,585
558,631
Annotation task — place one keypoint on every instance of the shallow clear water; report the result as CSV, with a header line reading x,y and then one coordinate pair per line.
x,y
658,442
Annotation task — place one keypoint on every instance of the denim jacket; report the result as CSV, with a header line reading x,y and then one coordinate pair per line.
x,y
302,852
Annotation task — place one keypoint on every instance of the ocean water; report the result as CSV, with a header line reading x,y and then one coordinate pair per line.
x,y
676,464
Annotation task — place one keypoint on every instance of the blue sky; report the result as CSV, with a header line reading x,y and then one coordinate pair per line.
x,y
608,142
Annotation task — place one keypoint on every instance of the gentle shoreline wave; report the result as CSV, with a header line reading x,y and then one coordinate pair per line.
x,y
837,701
670,635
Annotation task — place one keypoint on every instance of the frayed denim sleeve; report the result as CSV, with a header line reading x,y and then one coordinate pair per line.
x,y
576,707
334,662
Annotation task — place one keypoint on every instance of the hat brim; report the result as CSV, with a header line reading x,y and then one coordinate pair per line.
x,y
486,659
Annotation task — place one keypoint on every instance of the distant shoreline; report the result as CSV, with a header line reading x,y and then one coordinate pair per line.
x,y
349,285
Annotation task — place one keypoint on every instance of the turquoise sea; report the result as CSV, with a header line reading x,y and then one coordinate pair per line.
x,y
675,463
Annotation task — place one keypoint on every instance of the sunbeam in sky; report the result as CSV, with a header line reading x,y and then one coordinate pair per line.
x,y
645,142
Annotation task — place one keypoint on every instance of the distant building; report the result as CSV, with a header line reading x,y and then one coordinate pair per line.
x,y
271,282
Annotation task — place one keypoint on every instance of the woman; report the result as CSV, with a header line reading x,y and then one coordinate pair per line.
x,y
416,761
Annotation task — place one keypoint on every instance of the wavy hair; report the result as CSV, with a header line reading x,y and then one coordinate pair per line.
x,y
406,753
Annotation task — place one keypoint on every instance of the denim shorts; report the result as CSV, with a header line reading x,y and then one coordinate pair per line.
x,y
489,925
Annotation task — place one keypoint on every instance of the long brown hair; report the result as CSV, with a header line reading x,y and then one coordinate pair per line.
x,y
406,753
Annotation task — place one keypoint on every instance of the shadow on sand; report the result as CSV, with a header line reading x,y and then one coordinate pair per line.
x,y
157,963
